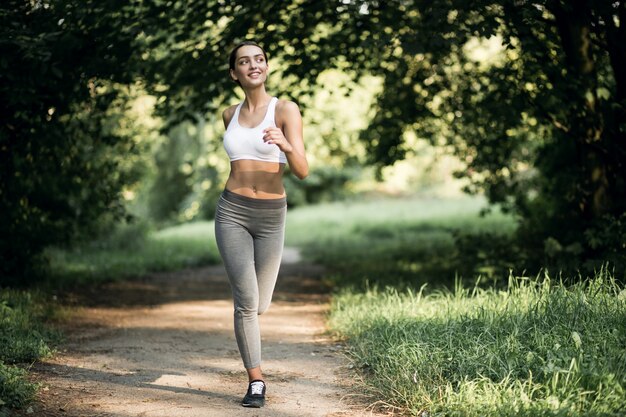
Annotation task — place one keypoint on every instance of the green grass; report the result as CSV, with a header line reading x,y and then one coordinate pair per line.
x,y
23,339
522,348
125,256
536,349
403,241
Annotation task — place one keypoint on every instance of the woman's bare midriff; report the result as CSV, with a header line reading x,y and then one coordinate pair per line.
x,y
256,179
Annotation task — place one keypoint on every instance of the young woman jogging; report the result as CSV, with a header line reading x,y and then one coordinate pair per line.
x,y
263,134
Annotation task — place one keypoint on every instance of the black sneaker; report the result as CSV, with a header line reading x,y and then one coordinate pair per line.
x,y
255,397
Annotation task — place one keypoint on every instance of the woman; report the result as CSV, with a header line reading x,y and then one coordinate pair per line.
x,y
262,135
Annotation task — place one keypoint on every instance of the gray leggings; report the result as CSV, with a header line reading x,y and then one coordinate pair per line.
x,y
250,234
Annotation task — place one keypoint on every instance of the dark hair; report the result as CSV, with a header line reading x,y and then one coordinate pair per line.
x,y
233,53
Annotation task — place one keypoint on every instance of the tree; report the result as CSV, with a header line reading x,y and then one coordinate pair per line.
x,y
541,126
59,154
542,129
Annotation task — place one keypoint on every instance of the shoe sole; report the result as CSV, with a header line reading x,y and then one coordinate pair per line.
x,y
252,405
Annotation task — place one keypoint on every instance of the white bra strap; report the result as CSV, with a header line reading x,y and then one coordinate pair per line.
x,y
271,110
235,118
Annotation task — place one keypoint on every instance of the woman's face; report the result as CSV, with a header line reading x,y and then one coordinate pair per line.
x,y
250,66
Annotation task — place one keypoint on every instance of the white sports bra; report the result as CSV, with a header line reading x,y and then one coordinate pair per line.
x,y
247,142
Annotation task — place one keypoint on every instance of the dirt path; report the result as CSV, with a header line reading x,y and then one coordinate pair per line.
x,y
164,346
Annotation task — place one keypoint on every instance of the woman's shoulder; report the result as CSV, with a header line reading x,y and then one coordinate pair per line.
x,y
228,114
287,107
229,111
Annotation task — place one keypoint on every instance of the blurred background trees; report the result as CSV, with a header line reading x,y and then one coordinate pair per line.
x,y
66,68
111,108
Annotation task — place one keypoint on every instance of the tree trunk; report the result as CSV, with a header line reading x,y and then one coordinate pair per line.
x,y
573,21
616,47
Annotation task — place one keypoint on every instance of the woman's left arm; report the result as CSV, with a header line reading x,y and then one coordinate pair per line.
x,y
288,137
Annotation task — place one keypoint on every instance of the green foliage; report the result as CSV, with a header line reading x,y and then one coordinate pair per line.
x,y
536,123
188,176
607,239
538,348
323,184
60,157
174,160
15,390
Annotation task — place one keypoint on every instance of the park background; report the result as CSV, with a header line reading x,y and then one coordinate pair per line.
x,y
465,192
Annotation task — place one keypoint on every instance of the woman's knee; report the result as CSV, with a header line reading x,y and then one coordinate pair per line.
x,y
263,308
246,310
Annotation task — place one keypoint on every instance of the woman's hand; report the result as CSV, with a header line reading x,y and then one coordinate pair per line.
x,y
275,136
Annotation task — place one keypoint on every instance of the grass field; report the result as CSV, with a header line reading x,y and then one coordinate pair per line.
x,y
403,241
536,349
131,253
